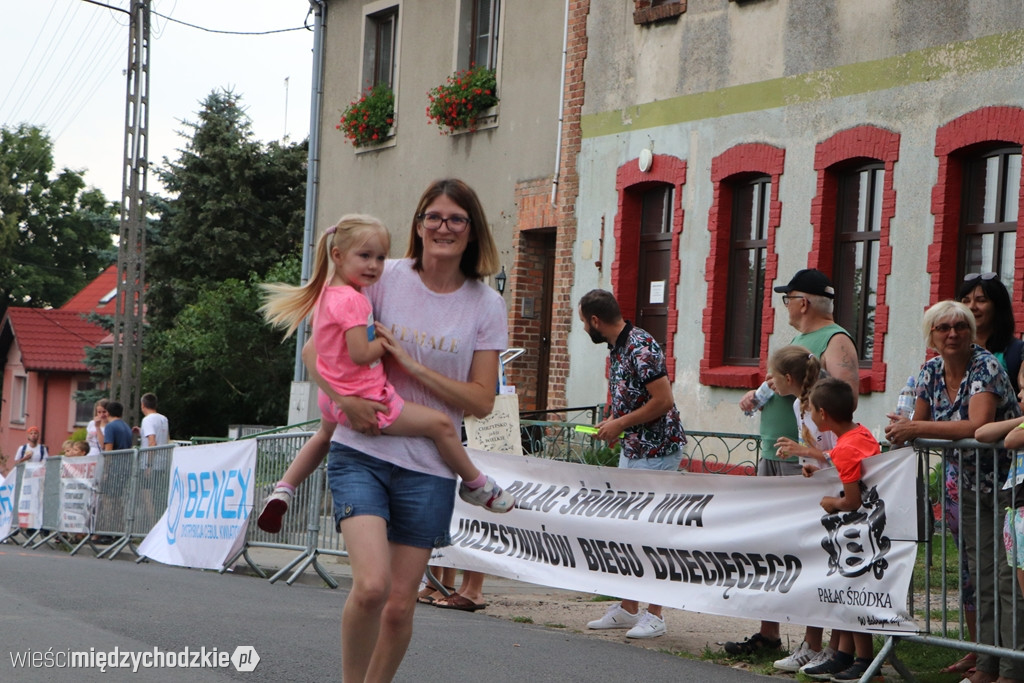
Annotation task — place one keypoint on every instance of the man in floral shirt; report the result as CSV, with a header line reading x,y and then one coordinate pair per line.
x,y
643,417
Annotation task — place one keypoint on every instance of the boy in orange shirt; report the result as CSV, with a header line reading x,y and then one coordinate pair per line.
x,y
832,404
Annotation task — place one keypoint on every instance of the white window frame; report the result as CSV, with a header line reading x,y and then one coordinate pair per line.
x,y
19,399
366,63
79,384
460,55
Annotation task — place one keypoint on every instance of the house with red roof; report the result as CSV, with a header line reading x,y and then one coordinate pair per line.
x,y
43,355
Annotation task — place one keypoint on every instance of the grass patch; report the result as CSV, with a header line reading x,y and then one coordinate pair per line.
x,y
554,625
522,620
602,598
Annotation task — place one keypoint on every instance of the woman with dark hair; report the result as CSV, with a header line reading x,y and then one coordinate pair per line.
x,y
989,301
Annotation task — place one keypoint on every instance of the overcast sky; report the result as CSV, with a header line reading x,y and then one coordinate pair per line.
x,y
62,67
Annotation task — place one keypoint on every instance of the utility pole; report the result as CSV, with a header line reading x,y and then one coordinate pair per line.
x,y
126,376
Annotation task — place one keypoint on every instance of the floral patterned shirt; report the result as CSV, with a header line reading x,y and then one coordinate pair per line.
x,y
984,374
636,361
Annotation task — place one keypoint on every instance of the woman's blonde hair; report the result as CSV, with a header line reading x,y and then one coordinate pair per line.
x,y
947,309
286,306
481,255
799,363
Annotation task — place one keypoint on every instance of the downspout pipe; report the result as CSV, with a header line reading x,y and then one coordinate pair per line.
x,y
319,10
561,108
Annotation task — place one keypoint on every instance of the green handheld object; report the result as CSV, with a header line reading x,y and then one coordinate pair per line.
x,y
587,429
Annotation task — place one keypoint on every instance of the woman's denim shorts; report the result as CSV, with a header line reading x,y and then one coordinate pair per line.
x,y
416,506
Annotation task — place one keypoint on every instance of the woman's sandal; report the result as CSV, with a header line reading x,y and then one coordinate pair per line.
x,y
430,595
963,665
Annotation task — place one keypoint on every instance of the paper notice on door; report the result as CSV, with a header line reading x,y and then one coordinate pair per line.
x,y
657,292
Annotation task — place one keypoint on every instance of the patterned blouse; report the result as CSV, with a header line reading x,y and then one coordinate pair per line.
x,y
636,361
984,374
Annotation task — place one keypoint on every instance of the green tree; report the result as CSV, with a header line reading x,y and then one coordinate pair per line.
x,y
236,207
55,235
220,363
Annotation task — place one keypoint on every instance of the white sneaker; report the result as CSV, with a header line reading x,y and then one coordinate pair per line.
x,y
800,656
819,658
490,496
615,617
649,626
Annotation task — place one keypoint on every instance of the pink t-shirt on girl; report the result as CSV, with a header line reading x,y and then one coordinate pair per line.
x,y
441,331
338,311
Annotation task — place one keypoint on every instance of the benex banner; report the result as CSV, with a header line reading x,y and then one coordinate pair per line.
x,y
7,503
753,547
209,500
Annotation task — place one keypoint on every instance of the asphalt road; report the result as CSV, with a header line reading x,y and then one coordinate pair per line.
x,y
54,604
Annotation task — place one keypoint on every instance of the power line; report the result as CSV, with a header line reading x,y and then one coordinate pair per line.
x,y
231,33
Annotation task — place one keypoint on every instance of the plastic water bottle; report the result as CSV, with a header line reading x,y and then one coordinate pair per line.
x,y
761,396
907,399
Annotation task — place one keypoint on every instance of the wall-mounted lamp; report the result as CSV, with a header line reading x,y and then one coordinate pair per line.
x,y
499,281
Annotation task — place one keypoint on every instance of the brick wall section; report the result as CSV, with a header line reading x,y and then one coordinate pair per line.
x,y
861,143
746,159
630,182
986,127
645,13
533,199
564,309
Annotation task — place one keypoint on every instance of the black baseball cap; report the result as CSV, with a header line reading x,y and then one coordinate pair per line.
x,y
809,281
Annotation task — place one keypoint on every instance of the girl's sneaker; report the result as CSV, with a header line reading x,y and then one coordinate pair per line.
x,y
490,496
273,510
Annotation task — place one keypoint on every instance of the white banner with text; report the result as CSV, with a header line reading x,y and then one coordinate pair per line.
x,y
754,547
30,499
209,500
79,493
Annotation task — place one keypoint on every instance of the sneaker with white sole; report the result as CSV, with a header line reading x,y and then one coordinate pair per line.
x,y
615,617
490,496
649,626
273,510
826,654
800,656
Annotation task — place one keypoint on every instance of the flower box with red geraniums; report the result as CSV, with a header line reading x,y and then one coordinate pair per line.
x,y
368,120
462,99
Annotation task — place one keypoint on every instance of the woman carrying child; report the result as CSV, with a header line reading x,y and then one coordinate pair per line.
x,y
443,329
349,257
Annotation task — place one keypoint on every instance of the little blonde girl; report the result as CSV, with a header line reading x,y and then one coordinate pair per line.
x,y
795,370
349,362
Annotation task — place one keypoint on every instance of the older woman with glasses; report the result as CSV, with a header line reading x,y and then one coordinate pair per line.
x,y
961,389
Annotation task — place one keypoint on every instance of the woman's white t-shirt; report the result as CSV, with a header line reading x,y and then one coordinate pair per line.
x,y
441,331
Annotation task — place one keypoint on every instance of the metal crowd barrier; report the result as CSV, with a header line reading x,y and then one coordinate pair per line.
x,y
972,523
133,488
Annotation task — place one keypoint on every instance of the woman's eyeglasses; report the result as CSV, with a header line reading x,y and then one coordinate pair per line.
x,y
980,276
433,221
943,328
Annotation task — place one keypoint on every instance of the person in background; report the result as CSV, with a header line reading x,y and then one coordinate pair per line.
x,y
808,299
958,391
32,451
155,429
94,430
79,449
65,448
832,402
989,301
644,418
117,435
